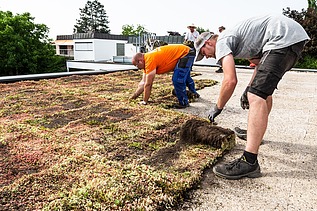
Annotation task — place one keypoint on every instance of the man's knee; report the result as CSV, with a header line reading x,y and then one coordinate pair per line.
x,y
252,98
258,93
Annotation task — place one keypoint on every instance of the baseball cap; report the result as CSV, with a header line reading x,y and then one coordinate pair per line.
x,y
200,42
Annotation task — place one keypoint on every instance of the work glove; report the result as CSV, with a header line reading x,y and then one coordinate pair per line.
x,y
215,111
244,102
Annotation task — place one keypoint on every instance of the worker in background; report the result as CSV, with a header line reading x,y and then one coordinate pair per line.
x,y
220,29
175,57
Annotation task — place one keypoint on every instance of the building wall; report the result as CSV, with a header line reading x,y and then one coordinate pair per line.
x,y
95,49
130,49
83,50
104,49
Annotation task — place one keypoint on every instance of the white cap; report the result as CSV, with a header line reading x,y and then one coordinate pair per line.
x,y
192,25
200,42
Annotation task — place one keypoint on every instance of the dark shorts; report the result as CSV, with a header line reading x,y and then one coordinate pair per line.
x,y
273,65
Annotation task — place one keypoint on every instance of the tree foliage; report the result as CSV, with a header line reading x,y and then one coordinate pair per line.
x,y
24,46
201,30
131,30
312,4
308,19
93,18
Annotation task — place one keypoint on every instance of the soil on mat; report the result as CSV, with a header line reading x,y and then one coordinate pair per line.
x,y
79,143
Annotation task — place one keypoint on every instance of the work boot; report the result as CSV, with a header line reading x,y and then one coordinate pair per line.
x,y
180,106
220,70
196,95
237,169
241,133
192,95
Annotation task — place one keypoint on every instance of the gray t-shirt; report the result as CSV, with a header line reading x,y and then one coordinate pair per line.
x,y
250,38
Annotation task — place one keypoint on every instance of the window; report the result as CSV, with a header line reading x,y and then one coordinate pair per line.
x,y
83,46
63,49
120,49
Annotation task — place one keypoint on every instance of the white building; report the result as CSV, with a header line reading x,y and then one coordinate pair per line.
x,y
64,45
91,50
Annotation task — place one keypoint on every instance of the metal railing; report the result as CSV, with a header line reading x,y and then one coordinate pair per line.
x,y
66,52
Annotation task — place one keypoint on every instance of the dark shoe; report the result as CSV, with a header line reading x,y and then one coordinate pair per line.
x,y
196,95
190,94
237,169
179,106
220,70
241,133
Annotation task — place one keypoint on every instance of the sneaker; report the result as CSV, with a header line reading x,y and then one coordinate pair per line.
x,y
179,106
241,133
220,70
237,169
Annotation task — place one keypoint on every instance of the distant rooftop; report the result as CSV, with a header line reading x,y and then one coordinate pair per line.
x,y
130,39
92,35
167,39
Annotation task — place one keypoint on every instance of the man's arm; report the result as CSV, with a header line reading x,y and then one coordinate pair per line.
x,y
149,78
140,88
229,81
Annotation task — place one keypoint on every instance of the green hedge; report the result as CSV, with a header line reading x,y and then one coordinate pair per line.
x,y
308,62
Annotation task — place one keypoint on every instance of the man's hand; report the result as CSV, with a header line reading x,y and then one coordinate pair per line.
x,y
244,102
215,111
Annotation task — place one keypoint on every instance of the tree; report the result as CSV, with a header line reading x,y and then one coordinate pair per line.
x,y
201,30
24,46
312,4
129,30
93,18
308,19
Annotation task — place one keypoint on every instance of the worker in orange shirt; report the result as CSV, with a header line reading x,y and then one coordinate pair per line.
x,y
174,57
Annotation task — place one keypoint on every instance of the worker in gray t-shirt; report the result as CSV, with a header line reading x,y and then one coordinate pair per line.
x,y
252,37
274,44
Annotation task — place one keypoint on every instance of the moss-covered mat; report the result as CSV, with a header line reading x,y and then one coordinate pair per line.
x,y
79,143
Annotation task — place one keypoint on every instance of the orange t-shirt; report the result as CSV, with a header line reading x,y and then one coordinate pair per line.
x,y
164,58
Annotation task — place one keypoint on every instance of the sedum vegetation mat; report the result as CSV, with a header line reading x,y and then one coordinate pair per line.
x,y
79,143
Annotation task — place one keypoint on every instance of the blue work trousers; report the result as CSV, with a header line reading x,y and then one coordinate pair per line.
x,y
181,77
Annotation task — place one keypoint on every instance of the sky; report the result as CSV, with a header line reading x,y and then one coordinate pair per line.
x,y
156,16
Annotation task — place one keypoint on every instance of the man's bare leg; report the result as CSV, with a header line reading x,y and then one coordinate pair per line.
x,y
257,121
